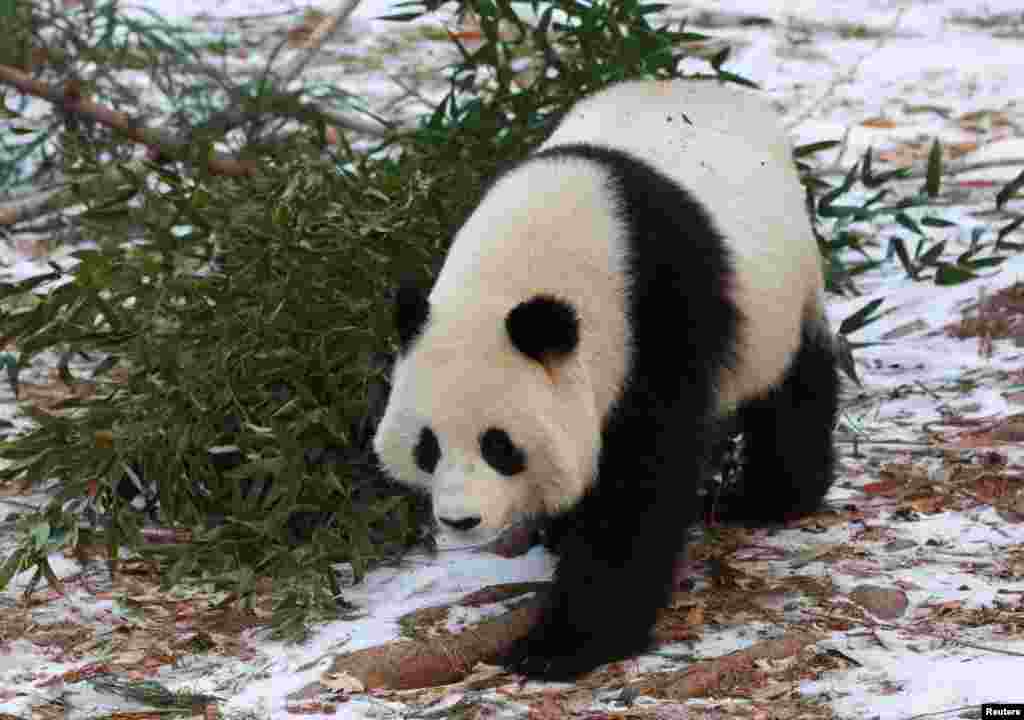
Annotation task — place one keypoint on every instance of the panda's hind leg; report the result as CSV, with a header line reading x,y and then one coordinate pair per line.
x,y
788,457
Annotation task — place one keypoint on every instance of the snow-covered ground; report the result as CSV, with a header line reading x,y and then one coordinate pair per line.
x,y
889,75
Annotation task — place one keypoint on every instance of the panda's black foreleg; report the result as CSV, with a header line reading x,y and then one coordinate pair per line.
x,y
789,457
617,550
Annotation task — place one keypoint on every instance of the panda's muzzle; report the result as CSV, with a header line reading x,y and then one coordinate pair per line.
x,y
461,524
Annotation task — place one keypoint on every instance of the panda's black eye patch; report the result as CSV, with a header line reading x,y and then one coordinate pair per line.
x,y
427,451
501,453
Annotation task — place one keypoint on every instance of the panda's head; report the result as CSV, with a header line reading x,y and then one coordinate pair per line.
x,y
490,411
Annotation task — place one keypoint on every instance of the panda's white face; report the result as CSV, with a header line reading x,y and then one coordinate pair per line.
x,y
492,434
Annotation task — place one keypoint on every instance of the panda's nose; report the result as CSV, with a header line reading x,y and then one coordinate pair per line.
x,y
463,524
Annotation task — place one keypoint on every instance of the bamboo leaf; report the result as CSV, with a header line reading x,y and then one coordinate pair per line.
x,y
1009,190
934,173
948,274
864,316
810,148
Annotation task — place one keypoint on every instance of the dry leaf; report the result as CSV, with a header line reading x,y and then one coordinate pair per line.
x,y
879,122
342,681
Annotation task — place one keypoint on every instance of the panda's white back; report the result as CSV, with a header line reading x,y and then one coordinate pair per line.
x,y
549,227
709,137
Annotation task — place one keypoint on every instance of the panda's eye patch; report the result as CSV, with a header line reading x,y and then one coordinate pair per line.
x,y
501,453
427,451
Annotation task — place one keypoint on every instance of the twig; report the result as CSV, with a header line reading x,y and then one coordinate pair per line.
x,y
321,35
989,649
70,100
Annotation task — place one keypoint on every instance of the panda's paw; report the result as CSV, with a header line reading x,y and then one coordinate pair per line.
x,y
537,660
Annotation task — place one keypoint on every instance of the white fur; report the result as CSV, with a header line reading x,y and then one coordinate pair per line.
x,y
550,227
777,282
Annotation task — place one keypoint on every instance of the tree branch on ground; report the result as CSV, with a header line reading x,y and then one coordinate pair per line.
x,y
70,100
713,677
410,664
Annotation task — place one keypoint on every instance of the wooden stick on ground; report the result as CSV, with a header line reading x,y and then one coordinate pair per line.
x,y
711,676
409,664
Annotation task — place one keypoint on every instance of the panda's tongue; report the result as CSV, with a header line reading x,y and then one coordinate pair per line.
x,y
513,541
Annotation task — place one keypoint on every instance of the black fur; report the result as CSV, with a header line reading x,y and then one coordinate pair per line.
x,y
788,458
411,312
427,452
543,328
618,546
497,448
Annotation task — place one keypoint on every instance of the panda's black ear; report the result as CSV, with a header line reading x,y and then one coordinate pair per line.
x,y
543,328
411,312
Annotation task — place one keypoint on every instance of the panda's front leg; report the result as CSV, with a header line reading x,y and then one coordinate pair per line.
x,y
617,550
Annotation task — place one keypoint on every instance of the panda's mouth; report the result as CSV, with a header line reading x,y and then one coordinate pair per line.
x,y
514,539
447,541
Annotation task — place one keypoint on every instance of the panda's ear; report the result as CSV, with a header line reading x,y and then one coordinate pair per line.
x,y
544,328
411,312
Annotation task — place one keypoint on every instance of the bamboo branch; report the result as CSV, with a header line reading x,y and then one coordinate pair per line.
x,y
233,117
70,100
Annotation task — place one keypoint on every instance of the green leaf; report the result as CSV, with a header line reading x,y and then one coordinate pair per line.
x,y
896,245
906,221
976,235
876,198
981,263
948,274
864,316
259,468
851,212
810,148
932,255
1006,230
934,173
936,222
40,534
726,76
1009,190
848,181
844,356
12,566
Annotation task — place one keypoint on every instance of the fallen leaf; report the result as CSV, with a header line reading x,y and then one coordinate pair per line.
x,y
879,122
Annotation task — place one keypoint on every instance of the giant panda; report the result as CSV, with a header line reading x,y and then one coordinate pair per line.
x,y
648,273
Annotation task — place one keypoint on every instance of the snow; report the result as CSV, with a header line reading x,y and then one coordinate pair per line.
x,y
931,682
906,54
